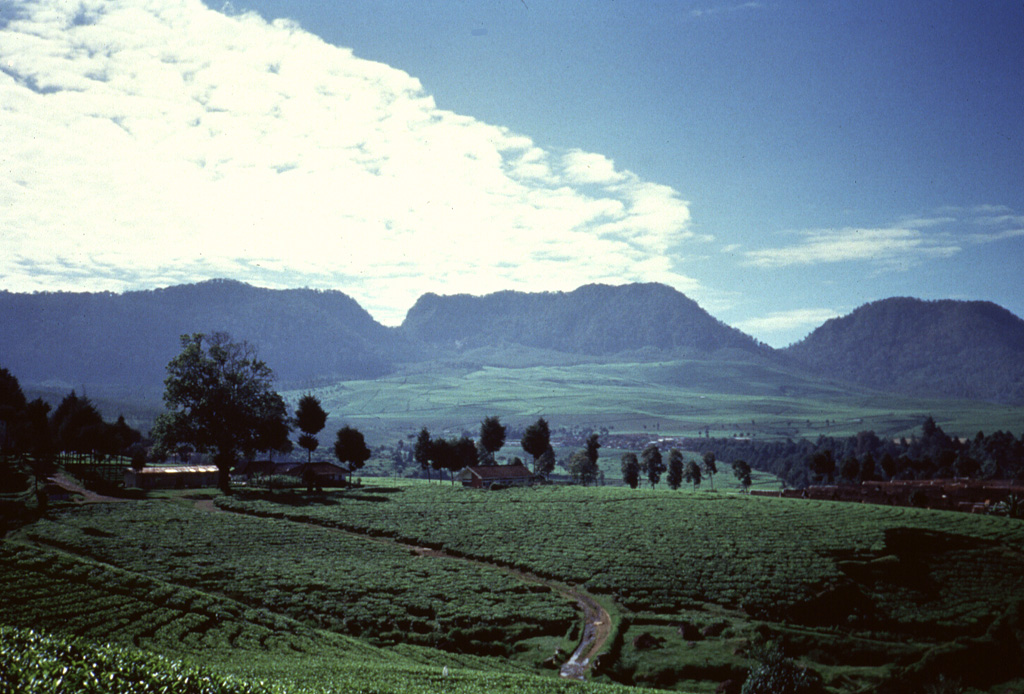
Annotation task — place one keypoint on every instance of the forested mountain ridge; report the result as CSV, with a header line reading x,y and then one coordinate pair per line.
x,y
957,349
591,320
63,340
127,339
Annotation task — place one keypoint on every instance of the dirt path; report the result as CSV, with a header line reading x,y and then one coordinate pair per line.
x,y
597,623
88,496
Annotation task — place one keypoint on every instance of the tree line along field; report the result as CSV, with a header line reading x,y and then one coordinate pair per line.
x,y
870,597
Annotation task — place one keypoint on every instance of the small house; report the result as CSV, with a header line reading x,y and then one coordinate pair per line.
x,y
486,476
172,477
323,474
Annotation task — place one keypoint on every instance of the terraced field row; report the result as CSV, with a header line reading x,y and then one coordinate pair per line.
x,y
66,595
330,580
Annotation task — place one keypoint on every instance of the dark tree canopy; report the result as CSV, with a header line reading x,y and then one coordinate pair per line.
x,y
422,451
545,464
691,473
311,419
492,437
631,470
537,438
710,468
652,464
350,449
220,399
741,470
592,446
675,469
823,465
582,468
12,410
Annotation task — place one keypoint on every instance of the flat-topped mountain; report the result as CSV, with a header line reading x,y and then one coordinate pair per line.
x,y
592,320
959,349
127,339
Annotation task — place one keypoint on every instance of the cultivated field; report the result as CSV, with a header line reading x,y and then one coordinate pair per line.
x,y
384,586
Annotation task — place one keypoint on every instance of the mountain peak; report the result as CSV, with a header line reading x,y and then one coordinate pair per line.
x,y
595,319
972,349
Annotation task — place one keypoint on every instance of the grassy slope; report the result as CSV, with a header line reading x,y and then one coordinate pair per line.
x,y
679,397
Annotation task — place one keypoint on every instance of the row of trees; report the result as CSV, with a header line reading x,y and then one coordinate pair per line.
x,y
932,454
31,436
455,454
651,465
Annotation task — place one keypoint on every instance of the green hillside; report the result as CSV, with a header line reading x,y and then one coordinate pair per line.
x,y
723,396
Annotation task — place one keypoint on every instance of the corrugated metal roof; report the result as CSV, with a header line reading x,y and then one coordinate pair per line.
x,y
169,470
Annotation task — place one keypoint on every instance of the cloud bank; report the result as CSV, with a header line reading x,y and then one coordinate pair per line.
x,y
781,323
153,142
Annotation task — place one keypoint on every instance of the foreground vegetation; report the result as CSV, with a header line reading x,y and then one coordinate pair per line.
x,y
868,598
207,643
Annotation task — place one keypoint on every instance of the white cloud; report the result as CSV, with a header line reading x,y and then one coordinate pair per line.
x,y
148,142
997,236
786,321
886,246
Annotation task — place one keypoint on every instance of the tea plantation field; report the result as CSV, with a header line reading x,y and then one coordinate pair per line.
x,y
865,593
104,624
337,591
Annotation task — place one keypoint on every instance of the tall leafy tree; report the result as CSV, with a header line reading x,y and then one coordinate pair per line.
x,y
310,418
442,455
823,465
867,468
741,470
350,449
888,464
652,464
78,426
691,473
465,455
12,411
536,439
850,469
630,470
492,437
545,464
422,451
220,399
710,468
675,469
591,450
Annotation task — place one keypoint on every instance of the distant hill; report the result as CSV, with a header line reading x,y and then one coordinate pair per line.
x,y
125,340
592,320
958,349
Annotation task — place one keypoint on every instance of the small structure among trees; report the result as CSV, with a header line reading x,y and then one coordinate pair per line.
x,y
220,400
172,477
488,476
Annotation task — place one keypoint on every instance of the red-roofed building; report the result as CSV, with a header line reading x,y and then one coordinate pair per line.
x,y
486,476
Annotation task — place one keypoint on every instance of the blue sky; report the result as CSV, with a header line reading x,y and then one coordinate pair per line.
x,y
779,162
